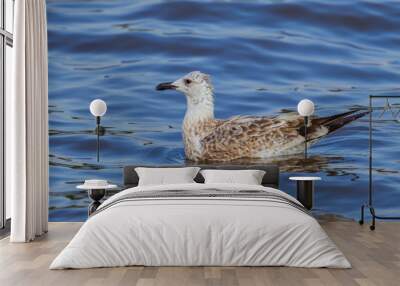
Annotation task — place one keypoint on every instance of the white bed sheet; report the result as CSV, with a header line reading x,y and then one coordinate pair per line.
x,y
200,232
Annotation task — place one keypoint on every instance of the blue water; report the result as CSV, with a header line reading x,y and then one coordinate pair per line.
x,y
263,56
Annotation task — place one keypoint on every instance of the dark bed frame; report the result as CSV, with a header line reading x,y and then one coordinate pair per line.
x,y
270,179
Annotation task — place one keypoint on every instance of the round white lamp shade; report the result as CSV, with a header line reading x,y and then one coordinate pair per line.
x,y
305,107
98,107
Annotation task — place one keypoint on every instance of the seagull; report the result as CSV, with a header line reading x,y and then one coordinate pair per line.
x,y
255,137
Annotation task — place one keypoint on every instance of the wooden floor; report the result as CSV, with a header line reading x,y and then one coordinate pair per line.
x,y
375,257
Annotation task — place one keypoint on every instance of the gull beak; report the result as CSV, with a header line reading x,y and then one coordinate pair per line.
x,y
166,85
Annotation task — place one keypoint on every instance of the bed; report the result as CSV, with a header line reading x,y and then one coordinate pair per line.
x,y
199,224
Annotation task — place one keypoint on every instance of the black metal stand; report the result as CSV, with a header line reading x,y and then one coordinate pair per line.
x,y
305,136
98,137
100,131
369,204
96,195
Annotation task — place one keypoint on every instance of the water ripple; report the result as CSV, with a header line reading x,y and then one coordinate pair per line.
x,y
264,56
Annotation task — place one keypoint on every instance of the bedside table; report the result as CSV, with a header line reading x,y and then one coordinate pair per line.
x,y
305,190
96,191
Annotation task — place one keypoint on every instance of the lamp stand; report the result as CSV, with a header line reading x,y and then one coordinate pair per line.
x,y
98,137
305,136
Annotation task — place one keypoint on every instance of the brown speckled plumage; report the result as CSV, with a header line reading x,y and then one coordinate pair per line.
x,y
208,139
245,137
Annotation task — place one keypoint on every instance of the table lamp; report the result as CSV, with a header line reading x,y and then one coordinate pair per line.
x,y
98,108
305,109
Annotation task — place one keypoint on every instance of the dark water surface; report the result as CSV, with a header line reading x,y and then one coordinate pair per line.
x,y
264,56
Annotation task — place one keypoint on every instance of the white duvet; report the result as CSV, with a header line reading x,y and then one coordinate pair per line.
x,y
193,231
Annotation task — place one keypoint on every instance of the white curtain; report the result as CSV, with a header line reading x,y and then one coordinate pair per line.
x,y
27,123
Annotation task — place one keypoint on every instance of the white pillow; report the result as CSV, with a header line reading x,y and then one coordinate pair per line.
x,y
165,176
248,177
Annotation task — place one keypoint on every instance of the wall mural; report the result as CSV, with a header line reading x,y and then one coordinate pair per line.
x,y
216,81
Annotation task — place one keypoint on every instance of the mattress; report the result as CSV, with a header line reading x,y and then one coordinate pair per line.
x,y
201,225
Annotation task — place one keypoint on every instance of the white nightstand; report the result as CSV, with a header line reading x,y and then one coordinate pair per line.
x,y
305,190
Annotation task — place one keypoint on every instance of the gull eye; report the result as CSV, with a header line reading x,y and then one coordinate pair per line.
x,y
188,81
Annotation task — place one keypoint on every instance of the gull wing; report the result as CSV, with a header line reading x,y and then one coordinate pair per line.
x,y
251,136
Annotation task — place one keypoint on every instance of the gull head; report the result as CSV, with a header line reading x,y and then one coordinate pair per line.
x,y
197,88
195,85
